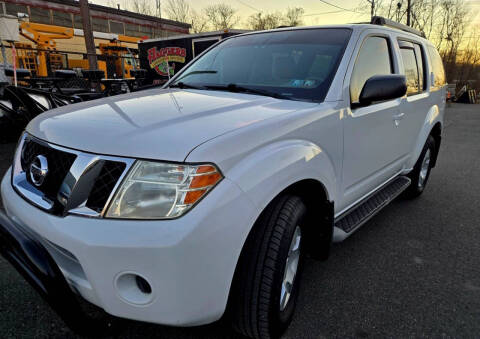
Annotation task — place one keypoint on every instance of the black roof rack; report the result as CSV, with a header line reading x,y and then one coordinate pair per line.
x,y
381,21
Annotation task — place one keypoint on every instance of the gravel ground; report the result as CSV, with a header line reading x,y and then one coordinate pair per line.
x,y
412,271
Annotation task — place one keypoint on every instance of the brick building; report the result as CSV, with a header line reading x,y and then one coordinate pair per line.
x,y
104,19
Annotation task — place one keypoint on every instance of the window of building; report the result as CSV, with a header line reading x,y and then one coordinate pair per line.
x,y
14,9
436,65
131,30
146,30
373,59
100,25
40,15
62,19
117,27
77,21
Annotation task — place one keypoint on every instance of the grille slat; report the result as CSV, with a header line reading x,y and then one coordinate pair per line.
x,y
59,164
104,185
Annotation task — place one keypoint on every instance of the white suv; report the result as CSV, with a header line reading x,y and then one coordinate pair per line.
x,y
171,204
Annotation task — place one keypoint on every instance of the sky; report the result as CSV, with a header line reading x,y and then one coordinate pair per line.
x,y
316,11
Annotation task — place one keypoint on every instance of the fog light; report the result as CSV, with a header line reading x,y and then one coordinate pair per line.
x,y
134,289
143,285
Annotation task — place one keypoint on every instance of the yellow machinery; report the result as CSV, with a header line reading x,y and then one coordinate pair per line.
x,y
43,57
120,58
116,60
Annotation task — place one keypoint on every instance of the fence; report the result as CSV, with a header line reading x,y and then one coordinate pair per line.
x,y
115,62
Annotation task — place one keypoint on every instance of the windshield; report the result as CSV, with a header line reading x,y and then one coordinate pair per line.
x,y
295,64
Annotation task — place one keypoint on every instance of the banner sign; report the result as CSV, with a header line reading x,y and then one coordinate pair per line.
x,y
159,59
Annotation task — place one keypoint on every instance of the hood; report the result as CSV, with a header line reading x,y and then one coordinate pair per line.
x,y
162,124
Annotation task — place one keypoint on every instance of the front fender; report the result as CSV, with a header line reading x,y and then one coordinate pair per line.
x,y
263,174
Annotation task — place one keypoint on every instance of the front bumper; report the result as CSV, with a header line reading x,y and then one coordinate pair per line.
x,y
35,264
188,262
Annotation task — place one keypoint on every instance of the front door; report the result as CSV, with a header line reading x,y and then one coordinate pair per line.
x,y
372,139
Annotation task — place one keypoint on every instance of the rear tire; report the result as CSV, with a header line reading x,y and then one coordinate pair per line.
x,y
268,275
421,172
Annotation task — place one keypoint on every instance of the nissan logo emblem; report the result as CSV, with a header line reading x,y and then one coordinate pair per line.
x,y
38,170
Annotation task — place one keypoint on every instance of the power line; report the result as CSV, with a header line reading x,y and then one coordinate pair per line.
x,y
331,12
247,5
343,9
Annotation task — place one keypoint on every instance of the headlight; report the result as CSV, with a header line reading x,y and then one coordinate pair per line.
x,y
155,190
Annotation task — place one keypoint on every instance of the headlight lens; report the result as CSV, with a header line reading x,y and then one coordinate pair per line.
x,y
155,190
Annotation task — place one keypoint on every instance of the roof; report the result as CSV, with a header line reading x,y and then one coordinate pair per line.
x,y
200,35
123,12
354,26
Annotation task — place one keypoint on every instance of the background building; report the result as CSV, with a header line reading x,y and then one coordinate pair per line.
x,y
106,21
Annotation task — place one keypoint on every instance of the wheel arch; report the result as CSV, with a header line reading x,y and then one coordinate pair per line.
x,y
320,215
320,221
433,126
436,133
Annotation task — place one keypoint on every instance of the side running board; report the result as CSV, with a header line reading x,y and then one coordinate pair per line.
x,y
346,224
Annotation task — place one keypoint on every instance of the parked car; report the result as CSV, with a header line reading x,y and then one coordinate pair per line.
x,y
180,205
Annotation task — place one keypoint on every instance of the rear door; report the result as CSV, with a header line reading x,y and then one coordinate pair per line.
x,y
371,138
416,105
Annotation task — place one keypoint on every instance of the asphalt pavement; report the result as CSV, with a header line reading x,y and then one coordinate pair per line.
x,y
411,271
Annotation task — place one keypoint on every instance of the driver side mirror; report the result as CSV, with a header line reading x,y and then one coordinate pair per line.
x,y
382,88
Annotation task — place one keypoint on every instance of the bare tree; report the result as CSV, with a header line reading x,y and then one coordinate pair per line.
x,y
137,6
469,58
178,10
198,21
221,16
260,21
293,17
142,7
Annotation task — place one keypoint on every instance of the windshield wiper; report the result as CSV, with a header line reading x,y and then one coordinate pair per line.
x,y
198,72
241,89
182,85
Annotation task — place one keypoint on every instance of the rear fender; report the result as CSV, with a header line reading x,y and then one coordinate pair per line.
x,y
433,117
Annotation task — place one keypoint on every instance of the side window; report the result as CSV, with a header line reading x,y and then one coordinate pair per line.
x,y
373,59
421,68
436,64
411,70
412,58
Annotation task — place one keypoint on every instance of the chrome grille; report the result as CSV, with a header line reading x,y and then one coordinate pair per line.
x,y
60,161
77,182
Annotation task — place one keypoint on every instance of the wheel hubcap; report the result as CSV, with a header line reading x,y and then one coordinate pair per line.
x,y
291,267
424,169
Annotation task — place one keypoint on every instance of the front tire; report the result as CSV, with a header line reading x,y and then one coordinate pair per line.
x,y
421,171
268,274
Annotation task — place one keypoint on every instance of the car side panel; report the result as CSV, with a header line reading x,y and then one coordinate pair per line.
x,y
303,145
435,115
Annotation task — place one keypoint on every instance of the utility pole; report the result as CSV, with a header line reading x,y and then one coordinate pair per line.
x,y
372,8
158,8
409,10
88,34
